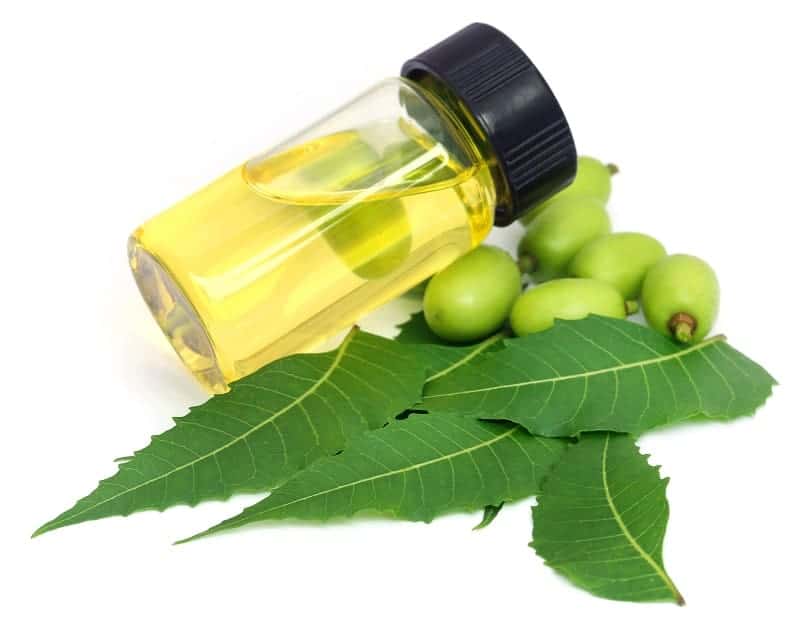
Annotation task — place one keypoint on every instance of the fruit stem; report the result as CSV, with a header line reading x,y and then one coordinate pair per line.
x,y
631,307
612,168
527,263
682,326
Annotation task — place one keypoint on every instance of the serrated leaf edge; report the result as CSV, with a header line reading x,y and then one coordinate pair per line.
x,y
490,513
51,525
242,520
585,374
630,538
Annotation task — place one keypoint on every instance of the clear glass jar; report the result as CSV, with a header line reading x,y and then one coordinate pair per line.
x,y
300,242
297,244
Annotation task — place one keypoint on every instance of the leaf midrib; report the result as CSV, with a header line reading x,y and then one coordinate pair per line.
x,y
586,374
461,361
626,532
241,520
235,440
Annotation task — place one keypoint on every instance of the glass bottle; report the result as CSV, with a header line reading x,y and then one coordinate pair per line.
x,y
298,243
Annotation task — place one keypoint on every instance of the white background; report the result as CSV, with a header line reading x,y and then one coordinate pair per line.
x,y
111,111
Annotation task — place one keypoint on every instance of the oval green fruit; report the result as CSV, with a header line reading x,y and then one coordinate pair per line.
x,y
592,180
372,238
567,299
680,297
621,259
472,297
555,236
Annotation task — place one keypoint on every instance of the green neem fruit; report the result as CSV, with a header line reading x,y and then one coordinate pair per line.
x,y
472,297
680,297
566,298
592,180
621,259
373,238
555,236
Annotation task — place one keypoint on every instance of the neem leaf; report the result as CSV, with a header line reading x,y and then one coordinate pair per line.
x,y
271,424
442,360
601,374
601,518
442,357
414,469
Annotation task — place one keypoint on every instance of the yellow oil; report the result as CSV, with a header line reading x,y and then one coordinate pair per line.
x,y
289,249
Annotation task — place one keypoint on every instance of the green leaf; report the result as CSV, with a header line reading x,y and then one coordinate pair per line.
x,y
271,424
440,357
601,518
442,360
601,374
490,513
414,469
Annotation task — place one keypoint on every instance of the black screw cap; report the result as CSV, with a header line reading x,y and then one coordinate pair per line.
x,y
513,104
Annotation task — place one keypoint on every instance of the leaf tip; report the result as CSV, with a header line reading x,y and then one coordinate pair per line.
x,y
39,531
191,538
46,527
204,533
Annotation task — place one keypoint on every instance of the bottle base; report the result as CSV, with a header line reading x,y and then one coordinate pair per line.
x,y
176,317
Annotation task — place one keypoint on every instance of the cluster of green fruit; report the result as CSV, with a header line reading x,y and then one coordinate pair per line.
x,y
580,268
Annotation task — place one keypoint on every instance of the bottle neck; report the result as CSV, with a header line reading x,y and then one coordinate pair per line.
x,y
457,113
